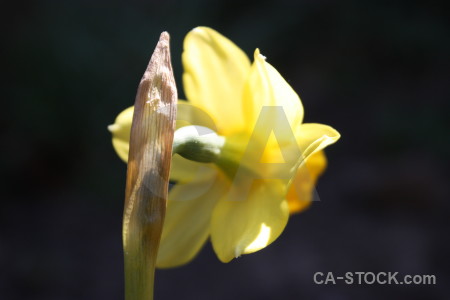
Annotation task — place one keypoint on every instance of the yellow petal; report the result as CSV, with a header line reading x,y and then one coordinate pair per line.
x,y
121,133
184,170
266,87
300,193
215,70
188,114
246,226
312,137
187,223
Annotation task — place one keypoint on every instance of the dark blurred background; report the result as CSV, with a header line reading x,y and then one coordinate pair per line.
x,y
377,71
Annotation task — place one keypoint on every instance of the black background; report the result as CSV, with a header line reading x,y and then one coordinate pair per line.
x,y
377,71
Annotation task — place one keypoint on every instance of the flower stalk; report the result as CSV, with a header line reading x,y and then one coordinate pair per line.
x,y
149,160
198,143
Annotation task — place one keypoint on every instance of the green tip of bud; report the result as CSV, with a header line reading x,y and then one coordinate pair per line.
x,y
198,143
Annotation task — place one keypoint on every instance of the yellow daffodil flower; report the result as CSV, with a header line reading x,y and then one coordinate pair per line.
x,y
267,165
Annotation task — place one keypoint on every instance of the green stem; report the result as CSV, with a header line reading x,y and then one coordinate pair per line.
x,y
141,247
198,143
